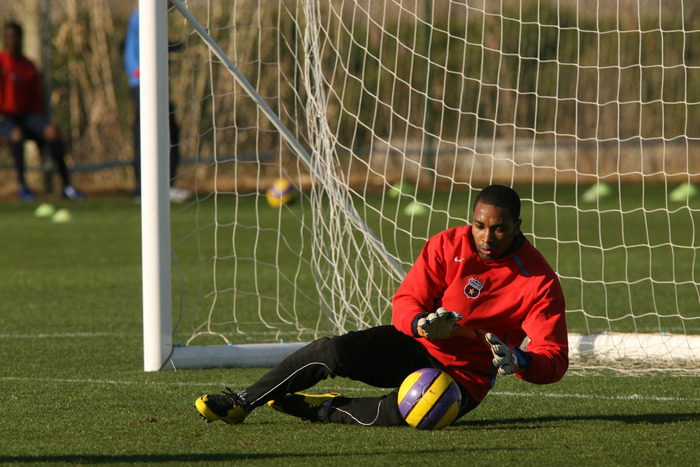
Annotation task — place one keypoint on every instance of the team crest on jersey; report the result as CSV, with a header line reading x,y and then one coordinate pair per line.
x,y
473,288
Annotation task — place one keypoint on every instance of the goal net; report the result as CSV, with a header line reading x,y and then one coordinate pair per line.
x,y
387,118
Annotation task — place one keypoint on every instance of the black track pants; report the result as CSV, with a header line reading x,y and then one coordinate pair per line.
x,y
380,356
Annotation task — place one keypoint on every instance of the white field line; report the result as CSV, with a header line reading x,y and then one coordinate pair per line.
x,y
630,397
63,335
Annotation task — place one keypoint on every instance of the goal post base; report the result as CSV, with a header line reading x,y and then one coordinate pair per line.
x,y
621,346
604,347
230,356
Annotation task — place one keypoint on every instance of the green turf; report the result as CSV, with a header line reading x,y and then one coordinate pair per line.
x,y
74,393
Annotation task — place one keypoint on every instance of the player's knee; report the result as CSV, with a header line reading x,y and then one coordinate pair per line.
x,y
16,135
325,349
51,133
319,351
346,357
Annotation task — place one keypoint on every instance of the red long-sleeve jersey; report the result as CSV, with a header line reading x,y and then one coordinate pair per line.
x,y
513,297
20,89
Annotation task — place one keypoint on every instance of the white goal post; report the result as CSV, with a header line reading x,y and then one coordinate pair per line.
x,y
159,352
155,212
388,117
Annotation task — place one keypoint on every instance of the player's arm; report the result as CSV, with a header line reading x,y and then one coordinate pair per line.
x,y
131,48
420,290
3,73
37,94
546,357
545,325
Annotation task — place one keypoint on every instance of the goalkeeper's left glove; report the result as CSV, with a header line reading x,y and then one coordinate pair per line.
x,y
507,359
438,325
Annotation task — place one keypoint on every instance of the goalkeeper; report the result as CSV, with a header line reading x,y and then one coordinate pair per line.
x,y
479,301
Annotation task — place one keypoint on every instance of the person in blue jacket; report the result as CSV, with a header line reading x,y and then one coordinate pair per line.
x,y
131,67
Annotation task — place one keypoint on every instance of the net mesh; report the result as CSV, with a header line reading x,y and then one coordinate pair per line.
x,y
405,111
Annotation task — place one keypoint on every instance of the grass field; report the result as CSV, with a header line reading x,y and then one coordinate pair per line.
x,y
74,393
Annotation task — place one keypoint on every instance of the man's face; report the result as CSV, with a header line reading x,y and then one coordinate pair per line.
x,y
493,230
13,41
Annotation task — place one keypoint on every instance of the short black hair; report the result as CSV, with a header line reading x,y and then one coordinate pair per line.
x,y
16,26
502,197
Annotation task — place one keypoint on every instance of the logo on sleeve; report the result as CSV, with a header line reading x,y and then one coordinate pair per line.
x,y
473,288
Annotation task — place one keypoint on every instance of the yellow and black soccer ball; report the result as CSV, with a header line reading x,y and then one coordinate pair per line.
x,y
280,193
429,399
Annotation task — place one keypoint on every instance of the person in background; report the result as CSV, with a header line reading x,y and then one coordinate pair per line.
x,y
21,107
131,67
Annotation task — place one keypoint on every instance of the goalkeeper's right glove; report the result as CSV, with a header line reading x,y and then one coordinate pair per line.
x,y
507,359
438,325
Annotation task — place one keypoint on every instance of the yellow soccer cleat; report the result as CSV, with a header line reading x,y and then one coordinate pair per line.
x,y
228,407
304,406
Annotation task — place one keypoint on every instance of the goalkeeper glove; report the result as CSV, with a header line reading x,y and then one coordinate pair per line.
x,y
507,359
438,325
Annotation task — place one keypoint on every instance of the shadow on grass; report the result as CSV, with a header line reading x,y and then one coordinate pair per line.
x,y
523,422
77,459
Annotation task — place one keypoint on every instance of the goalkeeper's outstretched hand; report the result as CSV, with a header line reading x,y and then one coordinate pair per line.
x,y
438,325
507,359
